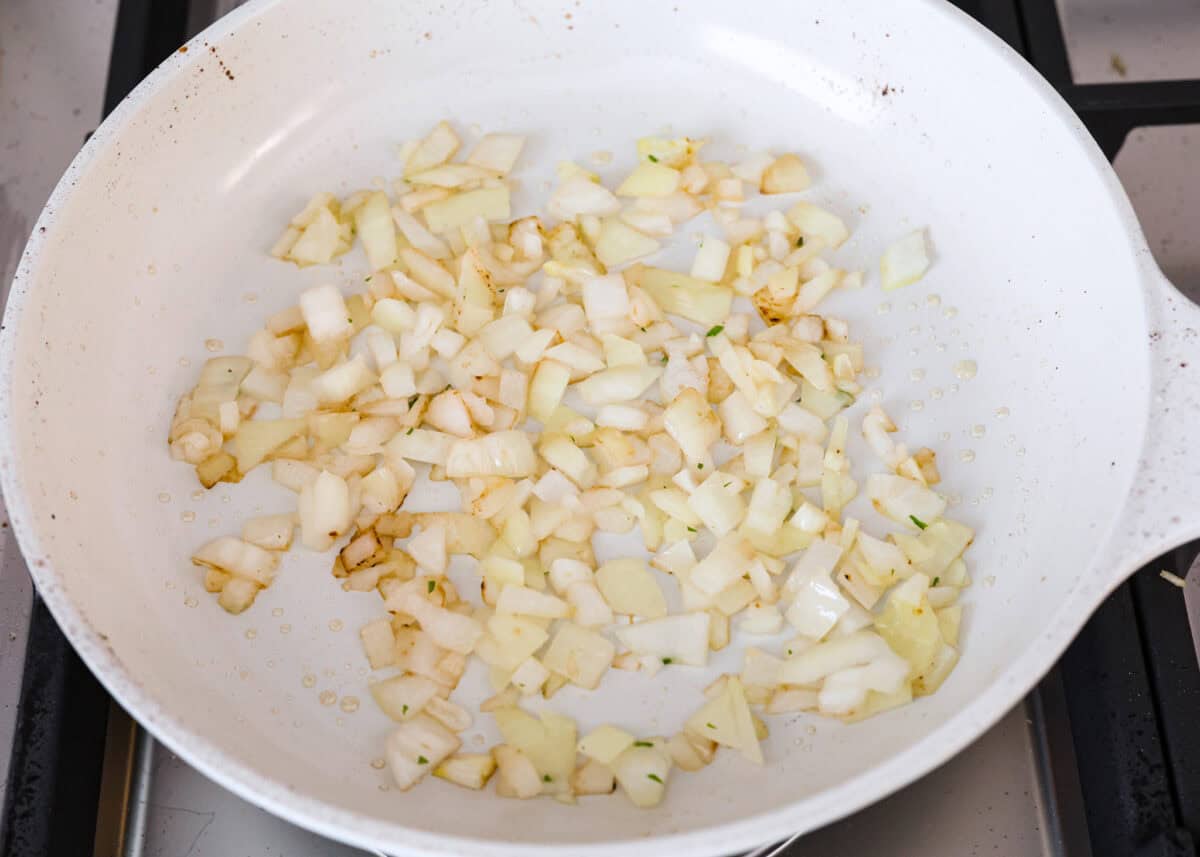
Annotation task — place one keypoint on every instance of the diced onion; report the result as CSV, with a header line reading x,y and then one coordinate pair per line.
x,y
542,394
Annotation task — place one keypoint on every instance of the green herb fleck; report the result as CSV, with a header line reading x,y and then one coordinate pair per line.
x,y
412,400
404,709
642,744
407,433
421,760
432,585
700,465
715,329
789,651
667,661
652,158
655,777
546,778
920,524
710,725
727,484
664,358
675,285
367,279
935,581
800,241
691,529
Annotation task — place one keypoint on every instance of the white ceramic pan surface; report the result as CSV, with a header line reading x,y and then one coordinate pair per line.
x,y
155,241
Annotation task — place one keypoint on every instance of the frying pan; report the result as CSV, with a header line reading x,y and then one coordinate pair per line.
x,y
1066,450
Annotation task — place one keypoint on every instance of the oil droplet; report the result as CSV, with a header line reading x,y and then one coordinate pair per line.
x,y
912,306
335,625
170,584
197,495
226,499
1021,452
190,602
883,309
340,721
187,517
602,157
349,704
285,629
944,436
243,674
954,499
917,374
327,697
384,787
164,497
1011,439
309,680
214,344
913,352
933,300
953,388
378,764
270,663
184,362
916,405
212,522
250,297
251,634
876,396
872,372
915,329
965,370
967,455
988,492
1002,413
950,312
328,673
936,393
941,347
277,612
978,430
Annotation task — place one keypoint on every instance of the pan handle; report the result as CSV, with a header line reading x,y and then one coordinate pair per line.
x,y
1163,510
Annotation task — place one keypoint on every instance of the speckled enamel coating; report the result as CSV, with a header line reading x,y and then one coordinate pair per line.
x,y
155,242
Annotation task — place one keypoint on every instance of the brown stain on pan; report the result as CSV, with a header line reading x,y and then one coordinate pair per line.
x,y
212,49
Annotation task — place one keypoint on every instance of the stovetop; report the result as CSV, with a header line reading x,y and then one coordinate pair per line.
x,y
1103,758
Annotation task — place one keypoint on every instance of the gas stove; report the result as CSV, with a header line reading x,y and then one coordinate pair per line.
x,y
1103,758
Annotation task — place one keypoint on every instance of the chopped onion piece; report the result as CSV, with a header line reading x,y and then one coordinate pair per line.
x,y
416,747
679,639
505,453
905,261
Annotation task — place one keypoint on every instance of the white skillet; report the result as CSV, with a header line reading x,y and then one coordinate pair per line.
x,y
155,240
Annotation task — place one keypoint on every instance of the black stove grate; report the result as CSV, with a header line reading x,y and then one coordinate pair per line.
x,y
1123,696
